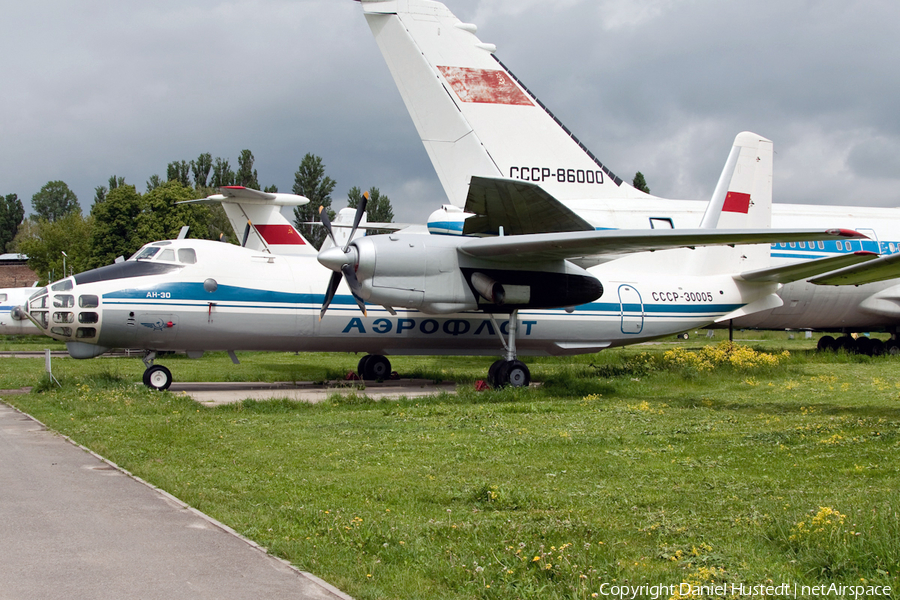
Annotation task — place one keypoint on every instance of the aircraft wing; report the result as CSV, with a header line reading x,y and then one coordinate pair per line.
x,y
558,246
521,208
808,268
882,269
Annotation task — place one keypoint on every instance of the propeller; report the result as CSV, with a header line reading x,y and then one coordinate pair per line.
x,y
342,260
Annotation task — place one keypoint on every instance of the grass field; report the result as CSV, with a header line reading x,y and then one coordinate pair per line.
x,y
652,465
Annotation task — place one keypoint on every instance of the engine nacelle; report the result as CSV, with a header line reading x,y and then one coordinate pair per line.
x,y
428,273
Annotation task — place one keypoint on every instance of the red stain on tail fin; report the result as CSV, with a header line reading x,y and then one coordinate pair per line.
x,y
484,86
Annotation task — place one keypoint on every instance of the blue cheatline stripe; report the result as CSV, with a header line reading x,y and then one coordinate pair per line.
x,y
192,294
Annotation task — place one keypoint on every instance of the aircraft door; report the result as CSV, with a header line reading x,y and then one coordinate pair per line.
x,y
873,244
631,307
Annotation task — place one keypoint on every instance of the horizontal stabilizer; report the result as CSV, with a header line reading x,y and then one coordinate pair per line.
x,y
237,194
520,208
881,269
558,246
807,268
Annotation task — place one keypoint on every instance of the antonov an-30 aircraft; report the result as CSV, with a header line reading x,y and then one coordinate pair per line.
x,y
476,118
412,292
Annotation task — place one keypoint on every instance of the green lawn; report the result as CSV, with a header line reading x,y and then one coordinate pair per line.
x,y
626,467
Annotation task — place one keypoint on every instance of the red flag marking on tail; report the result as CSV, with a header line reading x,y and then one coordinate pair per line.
x,y
737,202
484,86
283,235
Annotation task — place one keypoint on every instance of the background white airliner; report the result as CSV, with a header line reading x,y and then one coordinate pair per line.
x,y
12,320
475,118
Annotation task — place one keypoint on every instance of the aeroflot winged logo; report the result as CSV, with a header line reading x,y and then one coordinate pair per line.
x,y
484,86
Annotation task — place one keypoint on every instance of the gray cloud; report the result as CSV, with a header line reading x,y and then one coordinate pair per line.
x,y
98,87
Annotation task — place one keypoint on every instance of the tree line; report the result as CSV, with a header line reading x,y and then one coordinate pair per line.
x,y
121,219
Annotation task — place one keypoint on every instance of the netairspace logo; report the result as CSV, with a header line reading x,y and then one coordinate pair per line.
x,y
743,590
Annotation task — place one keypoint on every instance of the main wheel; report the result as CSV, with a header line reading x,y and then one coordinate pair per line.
x,y
892,347
826,343
375,367
492,373
514,373
158,377
517,374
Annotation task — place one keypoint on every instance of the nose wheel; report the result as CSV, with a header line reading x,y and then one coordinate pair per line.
x,y
158,377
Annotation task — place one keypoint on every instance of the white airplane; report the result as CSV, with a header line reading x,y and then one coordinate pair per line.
x,y
12,319
476,118
410,292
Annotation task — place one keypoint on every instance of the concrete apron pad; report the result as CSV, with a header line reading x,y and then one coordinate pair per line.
x,y
215,394
76,526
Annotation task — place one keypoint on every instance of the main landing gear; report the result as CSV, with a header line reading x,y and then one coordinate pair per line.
x,y
374,367
156,377
860,345
509,371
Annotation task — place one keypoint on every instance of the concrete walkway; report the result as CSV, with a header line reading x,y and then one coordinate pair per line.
x,y
75,526
214,394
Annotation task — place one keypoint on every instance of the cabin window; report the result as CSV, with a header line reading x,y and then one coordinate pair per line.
x,y
893,247
803,244
793,244
63,301
3,297
187,256
89,301
821,245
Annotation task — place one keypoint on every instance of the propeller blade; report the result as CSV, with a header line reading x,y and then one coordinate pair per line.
x,y
329,295
323,216
360,211
353,283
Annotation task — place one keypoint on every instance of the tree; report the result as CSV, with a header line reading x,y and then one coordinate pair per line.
x,y
44,241
12,213
55,201
113,231
201,168
246,175
101,191
179,171
222,174
378,210
154,182
640,183
310,181
162,219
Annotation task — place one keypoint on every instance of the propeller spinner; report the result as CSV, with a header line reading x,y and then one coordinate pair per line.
x,y
342,261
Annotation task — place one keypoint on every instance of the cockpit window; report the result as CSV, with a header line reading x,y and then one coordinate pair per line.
x,y
146,253
167,255
187,256
62,286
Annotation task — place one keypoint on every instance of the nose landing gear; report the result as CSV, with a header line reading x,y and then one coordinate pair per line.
x,y
156,377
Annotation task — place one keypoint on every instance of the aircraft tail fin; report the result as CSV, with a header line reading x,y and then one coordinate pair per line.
x,y
472,114
258,222
742,200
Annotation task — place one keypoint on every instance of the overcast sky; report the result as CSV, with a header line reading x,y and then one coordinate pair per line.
x,y
95,88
